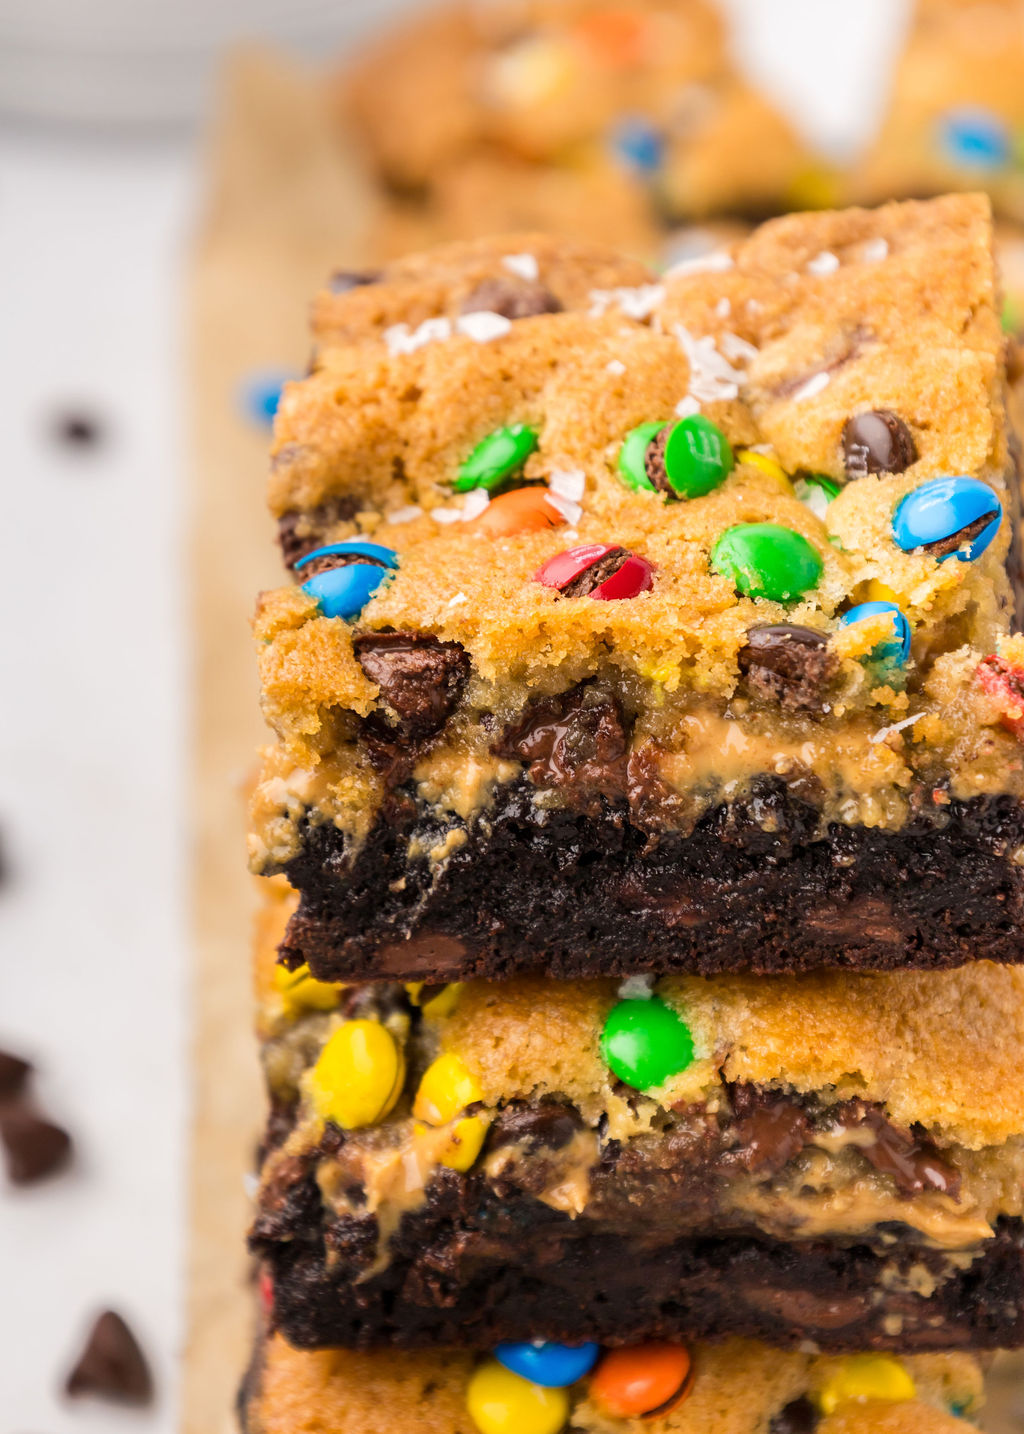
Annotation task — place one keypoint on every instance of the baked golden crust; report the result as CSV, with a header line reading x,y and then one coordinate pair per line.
x,y
738,1387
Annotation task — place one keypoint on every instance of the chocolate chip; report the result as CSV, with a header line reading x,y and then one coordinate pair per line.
x,y
112,1366
342,280
654,460
788,664
544,1126
299,533
769,1130
33,1147
13,1073
798,1417
877,442
575,742
913,1163
596,574
943,546
420,678
78,429
512,298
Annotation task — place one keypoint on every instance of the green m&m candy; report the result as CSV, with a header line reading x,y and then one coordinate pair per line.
x,y
645,1042
697,457
816,492
633,456
682,460
496,458
765,560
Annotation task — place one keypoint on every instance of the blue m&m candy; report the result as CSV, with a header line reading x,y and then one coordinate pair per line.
x,y
638,144
344,589
261,395
975,138
948,517
895,651
553,1366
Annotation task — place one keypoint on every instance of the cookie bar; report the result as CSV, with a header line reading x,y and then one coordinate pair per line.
x,y
732,1388
585,118
956,112
836,1158
676,632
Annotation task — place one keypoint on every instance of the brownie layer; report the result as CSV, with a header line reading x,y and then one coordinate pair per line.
x,y
755,885
505,1272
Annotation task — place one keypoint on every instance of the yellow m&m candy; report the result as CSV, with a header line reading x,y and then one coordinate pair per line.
x,y
446,1089
359,1075
302,992
500,1402
863,1377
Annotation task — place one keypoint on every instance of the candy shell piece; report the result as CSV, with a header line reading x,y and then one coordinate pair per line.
x,y
948,518
975,138
1003,682
522,510
447,1087
864,1377
632,455
697,457
302,992
344,592
358,1076
645,1043
896,651
642,1381
496,458
555,1366
816,492
500,1402
766,560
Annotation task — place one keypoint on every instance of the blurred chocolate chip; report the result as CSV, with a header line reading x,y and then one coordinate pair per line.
x,y
877,442
510,297
798,1417
342,280
596,574
13,1074
788,664
112,1366
78,429
33,1147
654,459
544,1126
420,678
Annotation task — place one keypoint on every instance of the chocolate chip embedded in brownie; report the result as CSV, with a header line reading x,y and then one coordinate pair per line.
x,y
683,575
737,1146
737,1387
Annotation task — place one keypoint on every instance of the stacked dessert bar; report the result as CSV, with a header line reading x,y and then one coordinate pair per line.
x,y
637,985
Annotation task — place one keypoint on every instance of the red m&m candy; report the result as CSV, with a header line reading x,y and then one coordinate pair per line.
x,y
598,570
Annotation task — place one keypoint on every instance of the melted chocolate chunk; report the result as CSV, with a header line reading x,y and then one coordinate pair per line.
x,y
596,574
374,1001
420,679
342,280
769,1130
575,742
913,1163
877,442
653,805
511,297
33,1147
798,1417
788,664
13,1074
545,1126
654,460
314,522
112,1365
943,546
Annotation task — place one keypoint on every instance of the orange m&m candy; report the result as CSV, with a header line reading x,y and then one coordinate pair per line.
x,y
524,510
645,1381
